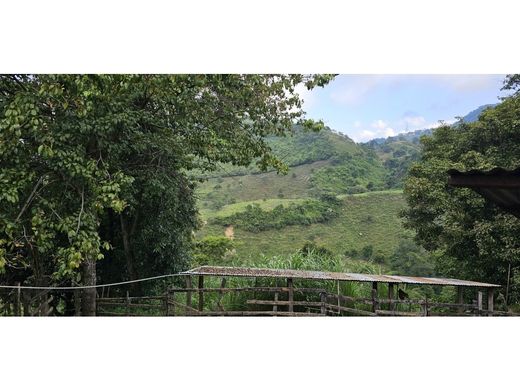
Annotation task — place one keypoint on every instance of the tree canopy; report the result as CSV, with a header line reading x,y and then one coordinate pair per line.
x,y
470,237
97,167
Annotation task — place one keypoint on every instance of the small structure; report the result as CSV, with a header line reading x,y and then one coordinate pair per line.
x,y
497,185
282,301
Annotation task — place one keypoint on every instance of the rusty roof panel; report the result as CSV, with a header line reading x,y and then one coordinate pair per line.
x,y
324,275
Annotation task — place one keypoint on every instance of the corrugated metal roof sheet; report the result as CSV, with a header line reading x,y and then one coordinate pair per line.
x,y
324,275
498,185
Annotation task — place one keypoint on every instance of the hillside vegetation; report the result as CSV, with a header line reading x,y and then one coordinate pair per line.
x,y
339,196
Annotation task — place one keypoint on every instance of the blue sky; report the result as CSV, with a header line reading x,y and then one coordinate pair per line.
x,y
370,106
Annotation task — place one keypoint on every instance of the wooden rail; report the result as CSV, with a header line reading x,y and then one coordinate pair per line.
x,y
283,303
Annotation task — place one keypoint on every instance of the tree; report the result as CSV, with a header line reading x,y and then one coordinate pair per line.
x,y
470,237
98,166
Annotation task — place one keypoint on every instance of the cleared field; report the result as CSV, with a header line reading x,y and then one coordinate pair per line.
x,y
365,219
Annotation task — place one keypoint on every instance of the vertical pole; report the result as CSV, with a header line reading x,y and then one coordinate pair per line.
x,y
188,293
323,299
18,306
201,293
460,299
374,297
291,294
127,302
221,294
479,302
507,287
77,302
390,296
491,293
167,303
173,303
275,306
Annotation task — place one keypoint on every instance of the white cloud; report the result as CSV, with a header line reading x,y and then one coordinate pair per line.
x,y
366,135
389,132
413,122
353,89
357,124
469,82
379,124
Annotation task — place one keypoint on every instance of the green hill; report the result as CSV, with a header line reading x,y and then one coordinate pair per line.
x,y
363,220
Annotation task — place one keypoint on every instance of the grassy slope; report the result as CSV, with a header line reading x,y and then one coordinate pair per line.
x,y
366,219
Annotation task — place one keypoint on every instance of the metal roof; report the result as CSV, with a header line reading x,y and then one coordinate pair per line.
x,y
498,185
324,275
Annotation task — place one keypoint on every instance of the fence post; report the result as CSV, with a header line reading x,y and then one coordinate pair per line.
x,y
201,293
323,299
374,297
18,305
127,302
167,303
188,293
77,303
491,293
460,299
221,295
390,296
479,302
275,306
291,294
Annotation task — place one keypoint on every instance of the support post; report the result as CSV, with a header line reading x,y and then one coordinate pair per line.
x,y
167,303
490,306
374,297
391,296
479,302
201,293
275,306
18,301
188,293
323,299
127,302
460,299
77,302
221,294
291,294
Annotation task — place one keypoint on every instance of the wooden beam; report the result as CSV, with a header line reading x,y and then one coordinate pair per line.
x,y
460,298
188,293
490,306
221,294
479,302
291,294
375,305
201,293
484,181
391,296
323,299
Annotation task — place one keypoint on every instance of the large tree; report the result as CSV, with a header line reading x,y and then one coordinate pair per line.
x,y
98,167
471,237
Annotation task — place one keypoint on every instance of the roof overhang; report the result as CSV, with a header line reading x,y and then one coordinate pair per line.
x,y
498,185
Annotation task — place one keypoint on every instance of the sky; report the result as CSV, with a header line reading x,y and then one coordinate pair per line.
x,y
372,106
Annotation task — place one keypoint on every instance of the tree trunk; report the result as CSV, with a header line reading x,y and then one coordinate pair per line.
x,y
88,278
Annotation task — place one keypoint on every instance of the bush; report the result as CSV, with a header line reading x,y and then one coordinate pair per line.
x,y
255,219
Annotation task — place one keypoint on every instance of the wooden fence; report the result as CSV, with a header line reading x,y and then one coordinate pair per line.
x,y
281,301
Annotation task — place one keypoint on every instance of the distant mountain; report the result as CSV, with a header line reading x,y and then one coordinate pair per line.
x,y
413,136
399,152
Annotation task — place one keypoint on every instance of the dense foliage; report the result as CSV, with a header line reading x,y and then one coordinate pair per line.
x,y
256,219
470,237
96,166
